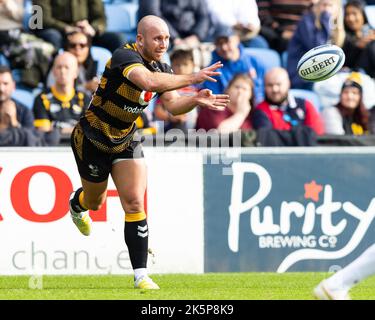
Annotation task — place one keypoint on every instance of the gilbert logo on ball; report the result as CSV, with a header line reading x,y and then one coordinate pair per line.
x,y
321,63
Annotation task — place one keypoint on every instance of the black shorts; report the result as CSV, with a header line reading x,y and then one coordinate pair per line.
x,y
95,165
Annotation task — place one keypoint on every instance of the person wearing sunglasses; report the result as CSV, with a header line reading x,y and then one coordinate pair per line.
x,y
79,44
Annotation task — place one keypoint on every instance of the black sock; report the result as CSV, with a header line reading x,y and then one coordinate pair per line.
x,y
75,202
136,238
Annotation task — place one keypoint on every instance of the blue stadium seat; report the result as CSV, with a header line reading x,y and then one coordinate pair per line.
x,y
269,57
24,96
121,17
284,59
120,1
27,14
308,95
102,55
370,13
3,60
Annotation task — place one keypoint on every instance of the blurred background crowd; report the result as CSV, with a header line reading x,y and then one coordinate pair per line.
x,y
47,75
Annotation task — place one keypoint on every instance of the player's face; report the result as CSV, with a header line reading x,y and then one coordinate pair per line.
x,y
155,43
7,86
277,88
227,48
350,97
354,19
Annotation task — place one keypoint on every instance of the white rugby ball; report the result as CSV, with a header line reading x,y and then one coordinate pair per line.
x,y
321,63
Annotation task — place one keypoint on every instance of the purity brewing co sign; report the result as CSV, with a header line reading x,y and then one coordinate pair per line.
x,y
289,212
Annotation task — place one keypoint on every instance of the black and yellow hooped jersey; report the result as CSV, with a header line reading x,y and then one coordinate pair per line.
x,y
53,108
109,122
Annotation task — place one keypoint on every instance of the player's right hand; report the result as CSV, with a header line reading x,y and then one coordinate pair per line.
x,y
206,74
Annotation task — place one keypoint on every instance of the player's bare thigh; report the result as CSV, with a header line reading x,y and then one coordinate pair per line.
x,y
95,193
130,178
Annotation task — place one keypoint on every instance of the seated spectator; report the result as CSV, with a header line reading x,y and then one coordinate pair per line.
x,y
237,115
61,106
349,116
24,117
329,90
79,44
16,120
88,16
283,120
242,15
359,46
188,20
182,62
24,51
279,20
235,60
320,26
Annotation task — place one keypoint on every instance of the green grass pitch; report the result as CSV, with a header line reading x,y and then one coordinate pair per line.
x,y
217,286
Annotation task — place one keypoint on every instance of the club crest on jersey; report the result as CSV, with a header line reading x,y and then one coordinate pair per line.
x,y
146,97
55,107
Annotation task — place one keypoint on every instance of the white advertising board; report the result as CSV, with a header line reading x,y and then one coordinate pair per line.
x,y
37,235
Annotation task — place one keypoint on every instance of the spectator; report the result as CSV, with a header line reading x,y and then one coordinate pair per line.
x,y
88,16
182,62
24,51
237,115
188,20
242,15
16,120
235,60
79,44
24,117
61,106
320,26
359,46
279,20
349,116
282,119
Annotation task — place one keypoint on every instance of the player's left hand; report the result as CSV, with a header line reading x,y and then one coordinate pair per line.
x,y
212,101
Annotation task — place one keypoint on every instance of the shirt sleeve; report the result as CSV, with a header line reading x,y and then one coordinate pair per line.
x,y
41,115
24,116
125,60
260,120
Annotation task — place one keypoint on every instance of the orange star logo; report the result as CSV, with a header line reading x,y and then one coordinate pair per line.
x,y
312,190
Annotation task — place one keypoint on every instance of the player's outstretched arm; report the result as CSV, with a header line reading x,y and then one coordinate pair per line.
x,y
177,104
161,82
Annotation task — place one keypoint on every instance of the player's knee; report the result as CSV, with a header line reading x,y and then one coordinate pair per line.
x,y
135,204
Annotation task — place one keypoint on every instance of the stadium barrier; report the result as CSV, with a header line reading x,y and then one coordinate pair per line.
x,y
209,210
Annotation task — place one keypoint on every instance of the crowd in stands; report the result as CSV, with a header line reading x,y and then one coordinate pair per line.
x,y
271,103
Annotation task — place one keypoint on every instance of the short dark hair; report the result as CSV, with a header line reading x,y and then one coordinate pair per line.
x,y
182,54
6,69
